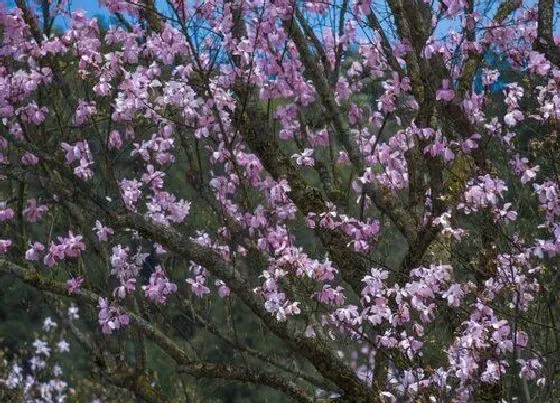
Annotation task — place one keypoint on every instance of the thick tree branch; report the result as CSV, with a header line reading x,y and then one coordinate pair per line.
x,y
265,358
242,373
545,36
309,33
138,382
149,12
33,278
374,24
30,20
123,377
316,350
475,60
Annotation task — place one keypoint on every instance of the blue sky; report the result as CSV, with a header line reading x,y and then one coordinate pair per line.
x,y
91,6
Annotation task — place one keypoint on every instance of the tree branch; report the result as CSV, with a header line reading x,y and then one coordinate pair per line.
x,y
316,350
388,203
545,36
242,373
475,59
34,279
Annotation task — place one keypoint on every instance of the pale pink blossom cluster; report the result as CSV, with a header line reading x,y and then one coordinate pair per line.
x,y
80,153
125,268
111,317
67,247
84,112
34,212
487,192
159,287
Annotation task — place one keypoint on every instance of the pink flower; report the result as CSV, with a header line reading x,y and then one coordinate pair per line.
x,y
114,141
73,153
197,286
522,338
74,284
445,93
159,286
33,253
331,296
470,144
84,111
342,90
29,159
529,368
32,114
5,244
79,152
319,138
305,158
6,214
102,232
223,289
126,287
55,254
454,295
538,63
494,371
453,6
73,245
111,317
33,212
343,158
309,331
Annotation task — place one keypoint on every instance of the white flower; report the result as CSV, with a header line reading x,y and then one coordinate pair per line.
x,y
48,324
73,312
63,346
42,347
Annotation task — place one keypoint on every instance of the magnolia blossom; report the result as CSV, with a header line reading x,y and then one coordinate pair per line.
x,y
74,284
159,286
114,141
223,289
63,346
453,6
48,324
68,247
5,244
6,213
445,93
198,286
29,159
102,232
73,312
42,347
111,318
84,112
305,158
34,253
34,212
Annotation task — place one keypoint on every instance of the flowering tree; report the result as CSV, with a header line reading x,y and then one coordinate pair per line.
x,y
359,181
